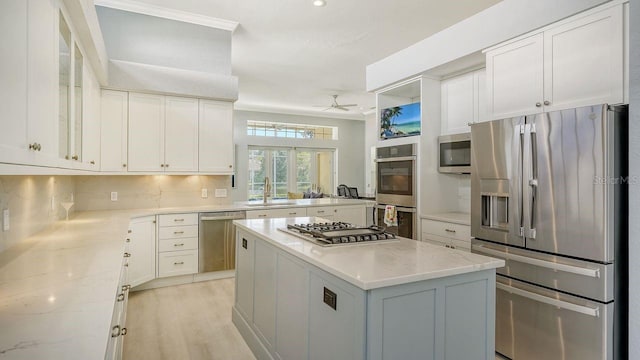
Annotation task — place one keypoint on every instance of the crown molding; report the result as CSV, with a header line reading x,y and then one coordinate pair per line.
x,y
168,13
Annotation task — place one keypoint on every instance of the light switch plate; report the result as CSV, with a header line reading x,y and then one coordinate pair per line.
x,y
221,192
204,193
5,220
114,196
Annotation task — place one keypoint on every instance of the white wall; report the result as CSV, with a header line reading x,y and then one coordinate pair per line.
x,y
349,146
634,188
503,21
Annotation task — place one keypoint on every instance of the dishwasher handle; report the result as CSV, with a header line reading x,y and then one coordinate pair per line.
x,y
222,217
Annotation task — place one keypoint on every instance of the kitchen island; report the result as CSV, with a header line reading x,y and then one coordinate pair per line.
x,y
399,299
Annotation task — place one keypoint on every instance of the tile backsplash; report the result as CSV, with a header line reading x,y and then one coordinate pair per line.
x,y
149,191
33,203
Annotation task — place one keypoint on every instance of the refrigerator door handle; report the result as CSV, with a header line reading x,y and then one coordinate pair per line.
x,y
533,181
595,312
522,132
594,273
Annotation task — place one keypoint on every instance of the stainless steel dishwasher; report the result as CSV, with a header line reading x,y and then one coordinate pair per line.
x,y
217,241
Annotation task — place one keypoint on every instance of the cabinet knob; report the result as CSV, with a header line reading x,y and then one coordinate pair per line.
x,y
127,255
547,102
123,332
124,165
126,287
230,166
538,104
120,297
35,147
92,162
74,157
115,331
166,165
161,165
128,240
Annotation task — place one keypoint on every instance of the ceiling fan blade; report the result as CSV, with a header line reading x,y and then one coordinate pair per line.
x,y
330,107
348,105
341,108
319,105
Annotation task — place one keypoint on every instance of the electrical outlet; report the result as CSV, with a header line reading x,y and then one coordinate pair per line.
x,y
5,220
114,196
221,193
205,193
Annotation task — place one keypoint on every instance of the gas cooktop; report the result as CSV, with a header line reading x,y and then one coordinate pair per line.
x,y
338,233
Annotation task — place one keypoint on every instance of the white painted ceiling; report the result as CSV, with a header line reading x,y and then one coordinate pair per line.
x,y
290,55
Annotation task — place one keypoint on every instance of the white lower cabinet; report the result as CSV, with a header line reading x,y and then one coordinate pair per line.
x,y
291,310
119,318
276,213
355,214
177,244
451,235
142,248
244,274
264,309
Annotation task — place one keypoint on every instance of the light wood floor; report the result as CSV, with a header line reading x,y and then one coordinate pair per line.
x,y
190,321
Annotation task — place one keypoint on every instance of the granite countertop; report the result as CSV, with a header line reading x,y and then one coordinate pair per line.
x,y
452,217
372,265
58,287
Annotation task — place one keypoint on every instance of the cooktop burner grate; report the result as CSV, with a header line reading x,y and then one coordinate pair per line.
x,y
335,233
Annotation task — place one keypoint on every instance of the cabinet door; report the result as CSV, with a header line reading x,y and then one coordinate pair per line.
x,y
264,305
13,72
292,309
142,247
91,120
181,134
216,137
42,75
457,104
351,214
515,78
584,61
146,132
244,274
480,96
114,116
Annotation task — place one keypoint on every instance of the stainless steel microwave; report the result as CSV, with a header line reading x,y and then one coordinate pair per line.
x,y
454,153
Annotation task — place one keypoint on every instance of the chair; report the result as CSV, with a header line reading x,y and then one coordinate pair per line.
x,y
353,193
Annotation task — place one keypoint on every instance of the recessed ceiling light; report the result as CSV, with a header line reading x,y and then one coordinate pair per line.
x,y
319,3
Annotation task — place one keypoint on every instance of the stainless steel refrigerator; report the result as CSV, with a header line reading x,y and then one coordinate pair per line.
x,y
548,195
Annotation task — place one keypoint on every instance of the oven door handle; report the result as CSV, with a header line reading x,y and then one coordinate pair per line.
x,y
401,158
398,208
595,312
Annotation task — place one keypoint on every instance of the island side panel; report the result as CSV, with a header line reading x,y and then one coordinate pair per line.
x,y
448,318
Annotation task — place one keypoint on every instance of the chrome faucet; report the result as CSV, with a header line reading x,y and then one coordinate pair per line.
x,y
266,189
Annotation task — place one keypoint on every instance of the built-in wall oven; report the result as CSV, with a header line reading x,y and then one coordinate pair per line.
x,y
396,175
397,186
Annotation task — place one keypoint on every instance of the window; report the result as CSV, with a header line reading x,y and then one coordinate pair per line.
x,y
295,131
312,169
272,164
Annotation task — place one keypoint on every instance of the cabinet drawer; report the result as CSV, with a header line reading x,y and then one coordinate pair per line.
x,y
178,219
450,230
177,263
447,242
190,243
276,213
321,211
175,232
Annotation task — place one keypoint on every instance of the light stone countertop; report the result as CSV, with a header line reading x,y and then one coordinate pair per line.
x,y
372,265
452,217
58,287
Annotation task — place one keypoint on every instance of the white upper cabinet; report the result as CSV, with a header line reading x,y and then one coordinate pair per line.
x,y
515,78
163,133
463,102
114,116
146,132
181,134
216,137
585,61
91,120
577,62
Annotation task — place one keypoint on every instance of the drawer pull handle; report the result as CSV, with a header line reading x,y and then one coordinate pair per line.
x,y
178,263
127,255
178,244
320,211
120,297
126,287
123,332
449,230
262,215
178,220
292,213
178,232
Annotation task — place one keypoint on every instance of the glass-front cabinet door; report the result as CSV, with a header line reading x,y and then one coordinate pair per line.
x,y
77,97
64,61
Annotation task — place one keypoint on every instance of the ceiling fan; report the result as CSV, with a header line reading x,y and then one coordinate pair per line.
x,y
335,105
